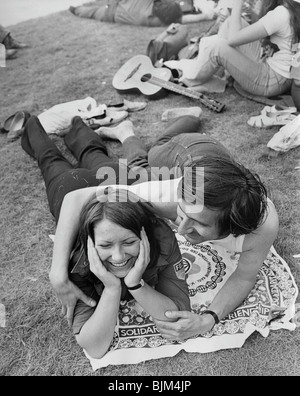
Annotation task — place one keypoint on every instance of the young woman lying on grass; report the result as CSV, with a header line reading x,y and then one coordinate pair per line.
x,y
121,251
131,254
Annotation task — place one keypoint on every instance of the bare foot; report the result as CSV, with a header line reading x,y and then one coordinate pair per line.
x,y
121,132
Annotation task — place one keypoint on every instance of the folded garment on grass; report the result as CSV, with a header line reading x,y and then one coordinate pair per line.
x,y
269,306
57,119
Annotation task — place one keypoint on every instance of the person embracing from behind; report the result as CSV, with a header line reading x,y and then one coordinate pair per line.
x,y
231,210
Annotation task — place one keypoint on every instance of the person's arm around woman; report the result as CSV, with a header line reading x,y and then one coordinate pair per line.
x,y
238,286
66,231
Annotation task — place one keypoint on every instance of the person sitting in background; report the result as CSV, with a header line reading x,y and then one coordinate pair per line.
x,y
11,44
250,12
238,49
144,12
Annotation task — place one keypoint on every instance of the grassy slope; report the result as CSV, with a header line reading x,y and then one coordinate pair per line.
x,y
71,58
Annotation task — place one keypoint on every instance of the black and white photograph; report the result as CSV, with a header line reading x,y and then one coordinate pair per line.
x,y
150,190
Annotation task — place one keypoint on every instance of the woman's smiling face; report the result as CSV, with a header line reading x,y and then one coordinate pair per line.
x,y
118,248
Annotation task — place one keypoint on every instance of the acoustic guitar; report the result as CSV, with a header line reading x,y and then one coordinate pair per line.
x,y
138,74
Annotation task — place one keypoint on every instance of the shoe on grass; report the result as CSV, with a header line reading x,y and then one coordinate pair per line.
x,y
109,118
17,125
127,105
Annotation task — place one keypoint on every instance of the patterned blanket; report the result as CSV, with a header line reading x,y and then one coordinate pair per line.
x,y
269,306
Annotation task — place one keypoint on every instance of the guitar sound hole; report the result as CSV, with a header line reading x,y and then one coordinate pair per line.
x,y
146,77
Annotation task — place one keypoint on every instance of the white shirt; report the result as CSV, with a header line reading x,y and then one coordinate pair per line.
x,y
278,27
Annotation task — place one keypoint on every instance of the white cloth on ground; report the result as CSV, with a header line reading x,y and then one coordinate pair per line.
x,y
58,118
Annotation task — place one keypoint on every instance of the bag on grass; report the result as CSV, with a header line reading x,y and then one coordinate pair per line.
x,y
168,44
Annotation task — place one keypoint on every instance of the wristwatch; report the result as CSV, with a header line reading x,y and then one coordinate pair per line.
x,y
213,314
138,286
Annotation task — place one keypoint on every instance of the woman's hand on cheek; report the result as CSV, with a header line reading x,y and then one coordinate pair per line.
x,y
98,269
135,274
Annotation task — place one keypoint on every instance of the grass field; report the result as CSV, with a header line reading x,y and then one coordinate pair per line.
x,y
71,58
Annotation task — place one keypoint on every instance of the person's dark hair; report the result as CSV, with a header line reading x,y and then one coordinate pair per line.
x,y
168,11
292,6
131,215
231,189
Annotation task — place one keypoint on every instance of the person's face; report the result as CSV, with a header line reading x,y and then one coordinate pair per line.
x,y
118,248
197,223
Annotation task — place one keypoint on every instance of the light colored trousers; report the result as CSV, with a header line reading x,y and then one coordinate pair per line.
x,y
242,63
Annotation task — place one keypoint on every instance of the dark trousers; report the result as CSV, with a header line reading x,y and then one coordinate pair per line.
x,y
59,175
94,166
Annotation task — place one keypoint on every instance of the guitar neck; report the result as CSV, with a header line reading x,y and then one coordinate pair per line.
x,y
211,103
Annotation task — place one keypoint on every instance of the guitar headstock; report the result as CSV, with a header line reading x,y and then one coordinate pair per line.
x,y
212,103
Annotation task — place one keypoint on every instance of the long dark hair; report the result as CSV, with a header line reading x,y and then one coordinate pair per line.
x,y
292,6
122,208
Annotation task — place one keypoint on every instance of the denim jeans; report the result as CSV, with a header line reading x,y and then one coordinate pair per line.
x,y
60,176
179,146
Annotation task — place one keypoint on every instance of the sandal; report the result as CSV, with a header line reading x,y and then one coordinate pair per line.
x,y
126,105
9,121
14,125
280,110
269,119
108,118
